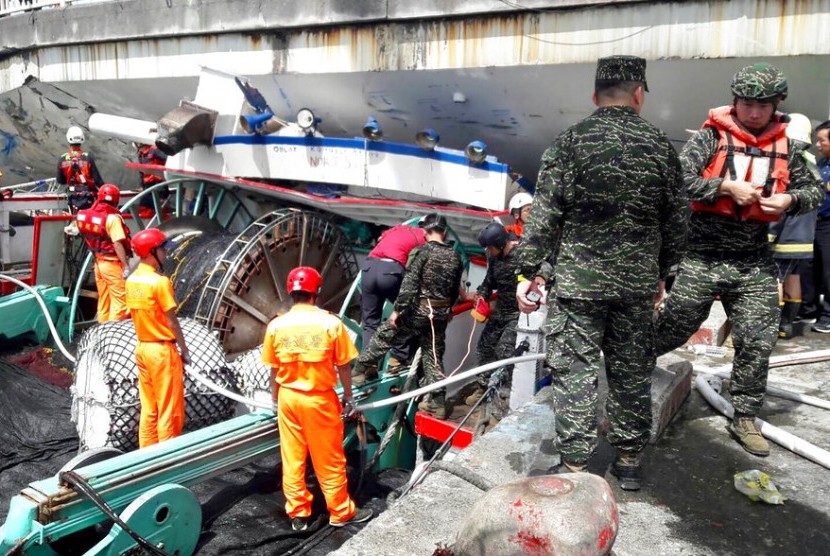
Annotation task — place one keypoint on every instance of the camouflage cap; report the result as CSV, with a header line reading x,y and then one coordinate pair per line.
x,y
622,68
759,81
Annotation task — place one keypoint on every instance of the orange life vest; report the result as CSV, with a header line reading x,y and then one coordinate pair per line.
x,y
516,229
92,224
734,140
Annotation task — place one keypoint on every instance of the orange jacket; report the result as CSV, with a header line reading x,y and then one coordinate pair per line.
x,y
149,297
150,154
304,345
734,141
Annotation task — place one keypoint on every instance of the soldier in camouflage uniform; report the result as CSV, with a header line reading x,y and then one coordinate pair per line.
x,y
498,339
736,170
422,310
611,214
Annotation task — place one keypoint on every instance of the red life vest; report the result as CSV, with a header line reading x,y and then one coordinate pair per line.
x,y
92,224
77,170
734,140
150,154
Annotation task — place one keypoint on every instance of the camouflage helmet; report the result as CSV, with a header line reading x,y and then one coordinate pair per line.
x,y
760,81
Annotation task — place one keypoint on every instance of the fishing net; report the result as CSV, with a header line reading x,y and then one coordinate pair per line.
x,y
254,378
35,436
190,263
243,286
105,401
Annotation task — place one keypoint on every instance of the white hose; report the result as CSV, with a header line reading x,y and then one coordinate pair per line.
x,y
783,438
816,356
450,380
46,314
225,392
374,405
798,397
771,390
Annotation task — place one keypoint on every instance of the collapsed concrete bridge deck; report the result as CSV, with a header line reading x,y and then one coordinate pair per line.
x,y
512,74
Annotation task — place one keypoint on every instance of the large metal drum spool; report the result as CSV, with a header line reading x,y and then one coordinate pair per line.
x,y
230,283
235,283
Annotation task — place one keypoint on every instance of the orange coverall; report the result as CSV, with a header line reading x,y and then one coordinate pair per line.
x,y
160,370
302,347
109,276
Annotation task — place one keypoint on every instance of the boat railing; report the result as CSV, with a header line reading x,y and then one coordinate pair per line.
x,y
48,185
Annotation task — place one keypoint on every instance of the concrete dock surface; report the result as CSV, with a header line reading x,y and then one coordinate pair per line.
x,y
688,503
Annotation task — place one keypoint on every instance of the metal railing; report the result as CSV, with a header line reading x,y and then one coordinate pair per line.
x,y
14,6
48,185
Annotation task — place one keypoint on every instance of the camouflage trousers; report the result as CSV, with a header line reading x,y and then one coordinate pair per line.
x,y
579,333
748,290
497,341
413,328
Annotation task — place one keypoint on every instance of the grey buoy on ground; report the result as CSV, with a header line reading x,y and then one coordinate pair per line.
x,y
565,515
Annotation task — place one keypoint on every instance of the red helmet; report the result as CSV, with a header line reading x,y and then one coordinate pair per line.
x,y
109,193
304,279
146,240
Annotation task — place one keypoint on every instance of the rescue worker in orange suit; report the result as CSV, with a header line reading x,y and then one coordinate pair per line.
x,y
160,365
77,170
519,206
303,347
150,154
108,238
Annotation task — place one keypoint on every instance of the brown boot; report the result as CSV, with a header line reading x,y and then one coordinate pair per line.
x,y
435,406
565,466
743,429
474,396
393,366
362,373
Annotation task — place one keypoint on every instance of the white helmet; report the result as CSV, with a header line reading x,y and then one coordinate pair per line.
x,y
800,128
75,135
519,200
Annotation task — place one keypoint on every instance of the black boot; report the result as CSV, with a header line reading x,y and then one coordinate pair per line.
x,y
626,468
788,313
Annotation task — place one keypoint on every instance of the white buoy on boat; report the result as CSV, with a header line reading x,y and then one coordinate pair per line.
x,y
105,401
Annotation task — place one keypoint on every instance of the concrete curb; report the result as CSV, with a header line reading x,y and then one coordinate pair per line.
x,y
521,445
714,330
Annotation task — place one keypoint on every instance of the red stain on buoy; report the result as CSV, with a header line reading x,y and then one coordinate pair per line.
x,y
606,535
531,543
